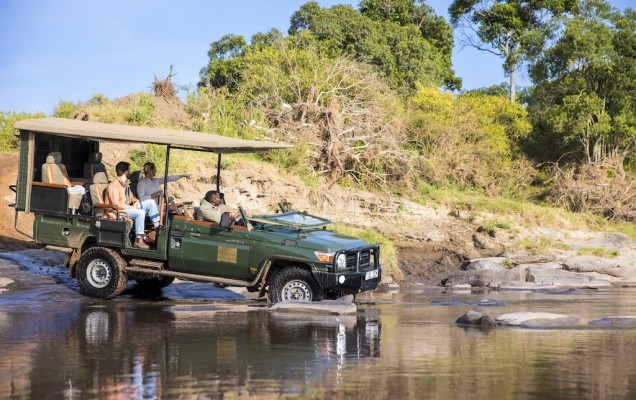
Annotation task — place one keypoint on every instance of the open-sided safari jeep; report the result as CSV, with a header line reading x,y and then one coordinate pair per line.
x,y
289,255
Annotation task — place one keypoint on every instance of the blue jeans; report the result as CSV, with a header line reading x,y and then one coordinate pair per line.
x,y
140,219
150,207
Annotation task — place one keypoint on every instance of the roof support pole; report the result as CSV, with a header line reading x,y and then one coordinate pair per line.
x,y
218,174
165,177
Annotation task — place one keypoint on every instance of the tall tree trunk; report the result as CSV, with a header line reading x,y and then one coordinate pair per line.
x,y
513,82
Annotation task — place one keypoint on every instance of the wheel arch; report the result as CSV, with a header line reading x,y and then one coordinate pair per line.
x,y
77,252
277,263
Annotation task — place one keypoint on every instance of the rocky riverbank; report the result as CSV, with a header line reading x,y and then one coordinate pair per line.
x,y
578,266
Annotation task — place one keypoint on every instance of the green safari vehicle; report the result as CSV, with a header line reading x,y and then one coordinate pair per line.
x,y
288,255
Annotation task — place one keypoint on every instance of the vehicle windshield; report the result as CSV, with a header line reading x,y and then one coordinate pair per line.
x,y
294,218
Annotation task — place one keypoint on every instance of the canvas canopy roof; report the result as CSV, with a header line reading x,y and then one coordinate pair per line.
x,y
123,133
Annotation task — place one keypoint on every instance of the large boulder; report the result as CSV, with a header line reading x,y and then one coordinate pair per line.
x,y
563,278
482,278
484,264
588,264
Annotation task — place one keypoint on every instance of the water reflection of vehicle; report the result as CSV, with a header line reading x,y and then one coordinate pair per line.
x,y
158,351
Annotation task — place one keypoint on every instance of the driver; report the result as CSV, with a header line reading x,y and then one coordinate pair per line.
x,y
211,207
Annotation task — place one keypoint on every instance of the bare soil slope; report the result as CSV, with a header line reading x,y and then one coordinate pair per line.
x,y
10,239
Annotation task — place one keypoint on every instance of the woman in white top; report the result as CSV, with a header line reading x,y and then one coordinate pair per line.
x,y
148,187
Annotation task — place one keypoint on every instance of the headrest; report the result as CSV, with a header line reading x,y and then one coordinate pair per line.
x,y
95,158
134,176
100,177
54,157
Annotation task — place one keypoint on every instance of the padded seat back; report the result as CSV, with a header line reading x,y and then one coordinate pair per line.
x,y
97,189
134,178
93,166
53,171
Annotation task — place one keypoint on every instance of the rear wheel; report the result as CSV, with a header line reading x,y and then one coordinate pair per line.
x,y
294,284
155,283
100,273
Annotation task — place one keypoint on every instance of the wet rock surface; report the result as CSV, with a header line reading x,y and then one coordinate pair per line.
x,y
536,320
343,306
474,318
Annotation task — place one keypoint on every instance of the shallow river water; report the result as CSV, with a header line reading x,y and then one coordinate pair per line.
x,y
55,344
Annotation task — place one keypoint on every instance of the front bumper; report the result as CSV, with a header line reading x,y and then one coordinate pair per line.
x,y
354,282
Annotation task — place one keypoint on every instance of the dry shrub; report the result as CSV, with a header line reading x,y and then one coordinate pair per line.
x,y
345,142
163,88
346,115
601,188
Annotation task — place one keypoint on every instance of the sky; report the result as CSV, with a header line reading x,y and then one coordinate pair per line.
x,y
72,49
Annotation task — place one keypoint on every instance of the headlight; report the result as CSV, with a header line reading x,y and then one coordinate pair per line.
x,y
324,257
341,261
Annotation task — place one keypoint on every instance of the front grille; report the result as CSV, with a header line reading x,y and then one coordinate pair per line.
x,y
362,259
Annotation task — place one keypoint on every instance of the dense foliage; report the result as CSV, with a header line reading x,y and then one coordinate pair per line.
x,y
364,95
406,44
583,104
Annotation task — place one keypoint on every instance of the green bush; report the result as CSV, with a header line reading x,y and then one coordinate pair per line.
x,y
8,140
142,111
66,109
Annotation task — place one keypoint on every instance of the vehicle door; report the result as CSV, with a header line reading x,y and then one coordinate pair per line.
x,y
208,249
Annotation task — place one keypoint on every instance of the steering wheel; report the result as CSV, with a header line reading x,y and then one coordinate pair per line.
x,y
239,215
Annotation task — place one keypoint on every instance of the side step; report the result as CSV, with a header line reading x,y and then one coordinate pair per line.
x,y
145,263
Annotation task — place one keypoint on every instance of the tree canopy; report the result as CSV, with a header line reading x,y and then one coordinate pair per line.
x,y
510,29
406,44
583,101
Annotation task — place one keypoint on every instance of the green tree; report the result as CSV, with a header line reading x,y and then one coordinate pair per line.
x,y
510,29
393,42
226,62
585,83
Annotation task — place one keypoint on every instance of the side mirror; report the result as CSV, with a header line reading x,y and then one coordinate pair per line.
x,y
226,220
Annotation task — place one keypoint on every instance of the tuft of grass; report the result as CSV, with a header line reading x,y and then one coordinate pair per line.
x,y
540,246
490,226
388,254
597,251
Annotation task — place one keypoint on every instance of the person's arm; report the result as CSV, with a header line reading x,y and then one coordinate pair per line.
x,y
134,201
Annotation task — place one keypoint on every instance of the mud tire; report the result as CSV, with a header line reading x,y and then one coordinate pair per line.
x,y
294,284
100,273
155,283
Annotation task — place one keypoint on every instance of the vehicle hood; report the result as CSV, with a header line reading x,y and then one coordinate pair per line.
x,y
322,240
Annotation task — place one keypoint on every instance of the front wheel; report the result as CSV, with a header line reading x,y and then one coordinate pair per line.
x,y
294,284
100,273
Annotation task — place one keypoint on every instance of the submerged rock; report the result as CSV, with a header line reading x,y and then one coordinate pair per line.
x,y
535,320
474,318
337,307
618,321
